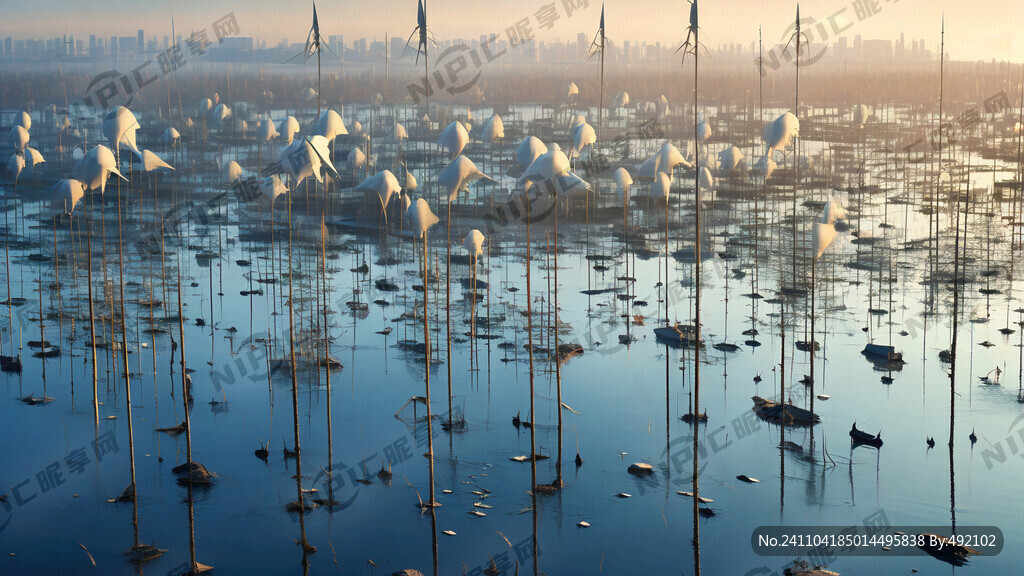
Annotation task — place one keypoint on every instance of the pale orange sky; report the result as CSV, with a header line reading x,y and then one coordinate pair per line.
x,y
981,29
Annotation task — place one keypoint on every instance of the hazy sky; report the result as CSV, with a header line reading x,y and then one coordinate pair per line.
x,y
976,29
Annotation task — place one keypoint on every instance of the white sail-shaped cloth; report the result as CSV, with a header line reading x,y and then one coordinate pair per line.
x,y
288,128
622,100
572,90
68,193
355,160
582,136
551,164
266,131
665,160
204,106
15,165
707,181
119,127
94,169
384,184
529,150
231,172
622,182
307,94
494,129
271,187
457,175
781,131
833,211
330,125
730,159
660,187
420,217
474,243
377,99
399,132
189,124
33,158
304,158
824,234
454,138
170,137
860,115
18,138
151,162
24,120
357,127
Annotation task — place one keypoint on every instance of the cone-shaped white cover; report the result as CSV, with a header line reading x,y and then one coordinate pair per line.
x,y
289,126
765,166
420,217
18,138
833,211
781,131
119,127
665,160
95,167
458,175
355,159
494,128
24,120
170,136
410,181
573,89
204,106
474,243
548,165
529,150
68,193
730,159
660,187
860,115
400,133
383,183
622,100
823,236
307,94
266,131
16,164
231,172
454,138
568,184
330,125
703,130
32,158
707,182
623,181
582,136
215,118
151,162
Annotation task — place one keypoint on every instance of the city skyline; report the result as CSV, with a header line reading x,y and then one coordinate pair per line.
x,y
555,21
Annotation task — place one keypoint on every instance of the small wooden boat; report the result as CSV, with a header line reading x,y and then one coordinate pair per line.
x,y
887,353
860,437
679,334
784,413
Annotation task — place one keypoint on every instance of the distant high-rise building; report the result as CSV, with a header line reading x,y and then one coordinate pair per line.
x,y
140,43
581,45
857,47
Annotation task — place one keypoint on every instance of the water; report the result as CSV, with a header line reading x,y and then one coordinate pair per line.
x,y
617,392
